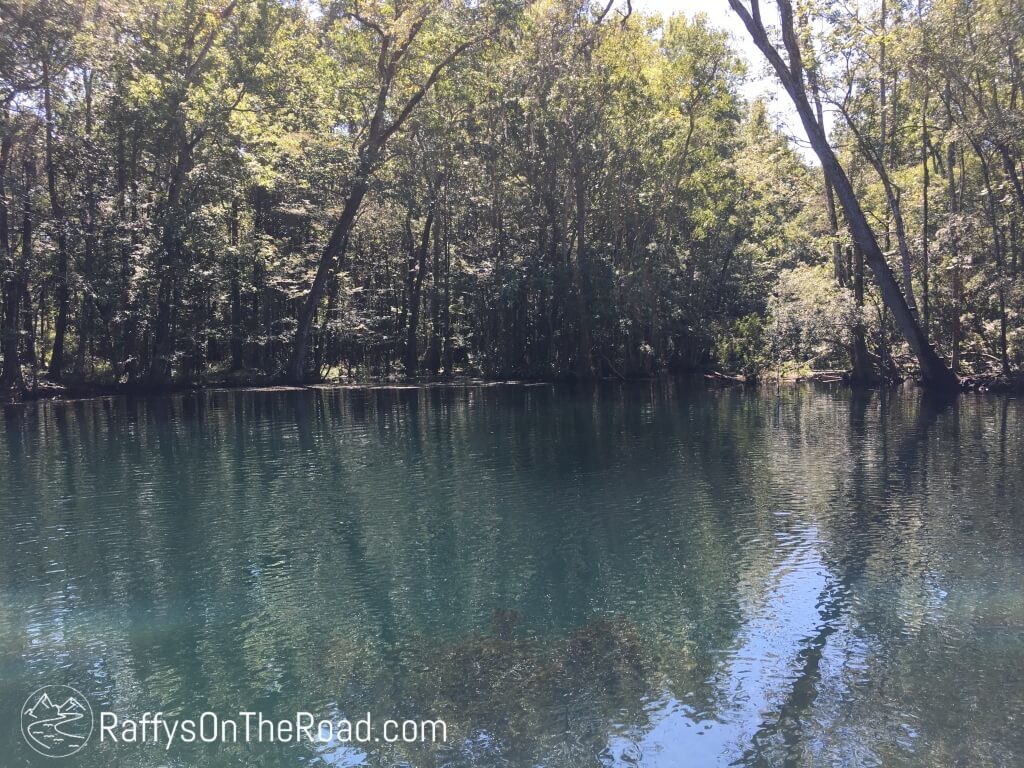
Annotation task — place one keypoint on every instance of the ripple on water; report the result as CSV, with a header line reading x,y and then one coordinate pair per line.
x,y
654,575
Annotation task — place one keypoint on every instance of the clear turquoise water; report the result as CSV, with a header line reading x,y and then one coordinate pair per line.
x,y
651,575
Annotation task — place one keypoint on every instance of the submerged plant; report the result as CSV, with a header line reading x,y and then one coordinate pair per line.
x,y
512,695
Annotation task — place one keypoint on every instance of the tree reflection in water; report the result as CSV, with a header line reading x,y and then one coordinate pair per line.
x,y
654,575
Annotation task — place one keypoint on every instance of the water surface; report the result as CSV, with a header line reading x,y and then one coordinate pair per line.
x,y
653,575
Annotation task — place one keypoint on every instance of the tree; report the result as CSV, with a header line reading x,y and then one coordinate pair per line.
x,y
935,374
395,34
253,191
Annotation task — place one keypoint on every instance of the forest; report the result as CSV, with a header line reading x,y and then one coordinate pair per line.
x,y
260,191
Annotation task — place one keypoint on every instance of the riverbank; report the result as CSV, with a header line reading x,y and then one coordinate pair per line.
x,y
980,382
998,383
46,390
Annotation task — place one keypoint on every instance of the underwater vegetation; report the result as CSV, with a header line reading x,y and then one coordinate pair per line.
x,y
511,697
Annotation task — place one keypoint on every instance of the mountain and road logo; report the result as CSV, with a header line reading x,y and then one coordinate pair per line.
x,y
56,720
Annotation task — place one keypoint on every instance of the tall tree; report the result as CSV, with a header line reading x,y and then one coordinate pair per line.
x,y
935,373
397,34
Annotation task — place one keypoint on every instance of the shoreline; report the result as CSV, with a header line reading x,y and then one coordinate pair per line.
x,y
49,391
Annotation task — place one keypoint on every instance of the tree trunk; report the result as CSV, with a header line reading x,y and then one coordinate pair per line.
x,y
10,376
434,352
925,308
91,214
56,371
171,247
876,158
411,357
14,282
998,247
446,315
584,369
295,372
237,341
407,274
954,210
863,369
28,327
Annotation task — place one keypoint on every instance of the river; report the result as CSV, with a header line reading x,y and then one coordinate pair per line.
x,y
655,574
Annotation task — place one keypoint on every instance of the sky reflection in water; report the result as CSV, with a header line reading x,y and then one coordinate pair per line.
x,y
674,576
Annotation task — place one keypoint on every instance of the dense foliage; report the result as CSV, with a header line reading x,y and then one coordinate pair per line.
x,y
264,189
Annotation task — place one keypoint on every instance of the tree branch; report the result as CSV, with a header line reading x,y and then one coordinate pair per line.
x,y
417,97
